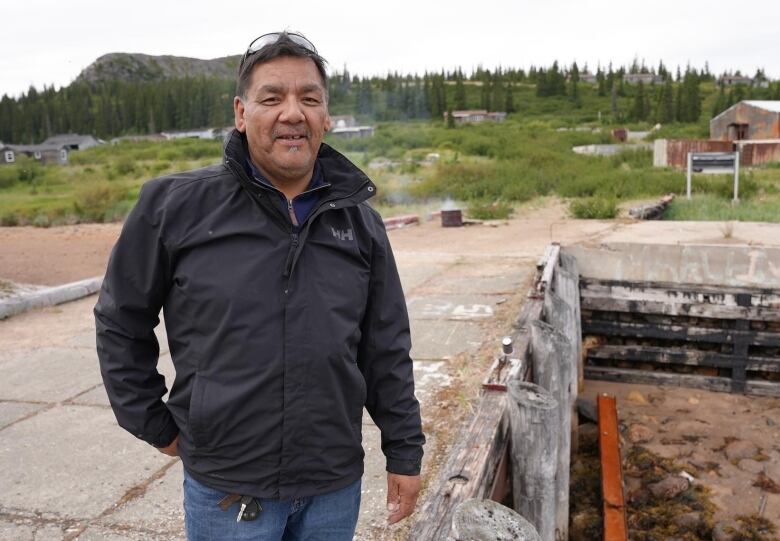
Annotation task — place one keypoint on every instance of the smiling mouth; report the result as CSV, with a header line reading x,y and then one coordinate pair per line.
x,y
292,137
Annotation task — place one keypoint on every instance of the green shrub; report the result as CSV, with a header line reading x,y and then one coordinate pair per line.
x,y
125,166
593,208
93,201
9,174
8,219
41,220
497,210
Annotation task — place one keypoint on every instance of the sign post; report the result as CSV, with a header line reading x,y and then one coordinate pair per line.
x,y
713,162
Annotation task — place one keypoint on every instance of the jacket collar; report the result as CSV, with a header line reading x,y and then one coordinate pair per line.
x,y
346,180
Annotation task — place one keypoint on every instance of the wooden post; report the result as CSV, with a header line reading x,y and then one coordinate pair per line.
x,y
567,285
561,316
736,177
551,358
486,520
690,172
535,432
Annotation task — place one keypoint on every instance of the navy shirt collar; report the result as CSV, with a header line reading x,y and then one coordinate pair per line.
x,y
317,179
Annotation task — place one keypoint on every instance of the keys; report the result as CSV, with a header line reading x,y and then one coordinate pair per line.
x,y
249,509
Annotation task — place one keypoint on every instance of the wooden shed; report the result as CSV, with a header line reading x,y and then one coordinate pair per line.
x,y
747,120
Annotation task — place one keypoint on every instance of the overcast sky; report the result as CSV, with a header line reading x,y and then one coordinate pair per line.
x,y
50,42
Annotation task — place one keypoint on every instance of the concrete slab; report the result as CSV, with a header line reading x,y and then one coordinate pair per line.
x,y
12,411
158,509
432,339
467,285
17,532
98,396
48,374
414,276
453,307
72,462
429,377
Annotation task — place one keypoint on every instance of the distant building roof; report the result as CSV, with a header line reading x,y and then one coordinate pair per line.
x,y
71,140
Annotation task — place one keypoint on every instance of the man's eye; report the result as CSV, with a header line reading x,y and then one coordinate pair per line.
x,y
270,101
311,100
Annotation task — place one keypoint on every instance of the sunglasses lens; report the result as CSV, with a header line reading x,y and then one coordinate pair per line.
x,y
269,39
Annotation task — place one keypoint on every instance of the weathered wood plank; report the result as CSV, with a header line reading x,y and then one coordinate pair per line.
x,y
677,332
469,471
535,432
712,383
554,365
670,308
689,357
599,285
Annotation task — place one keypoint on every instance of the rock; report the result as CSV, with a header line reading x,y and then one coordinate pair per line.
x,y
689,521
637,398
587,409
693,400
639,433
588,434
670,487
583,524
726,530
770,422
632,487
750,465
772,470
738,449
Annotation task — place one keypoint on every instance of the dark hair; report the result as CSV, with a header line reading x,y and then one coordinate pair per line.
x,y
283,46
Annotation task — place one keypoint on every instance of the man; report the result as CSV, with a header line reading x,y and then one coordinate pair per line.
x,y
285,317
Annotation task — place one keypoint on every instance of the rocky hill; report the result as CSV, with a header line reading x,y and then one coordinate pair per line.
x,y
132,67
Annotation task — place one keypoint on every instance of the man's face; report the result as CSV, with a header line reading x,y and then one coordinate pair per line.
x,y
284,116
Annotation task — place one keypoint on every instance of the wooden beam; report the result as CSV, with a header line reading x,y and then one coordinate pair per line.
x,y
470,469
615,524
670,308
688,357
625,375
596,284
599,327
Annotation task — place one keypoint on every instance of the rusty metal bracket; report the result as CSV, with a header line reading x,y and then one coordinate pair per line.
x,y
615,524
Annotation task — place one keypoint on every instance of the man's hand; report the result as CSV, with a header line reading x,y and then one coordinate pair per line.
x,y
402,492
172,449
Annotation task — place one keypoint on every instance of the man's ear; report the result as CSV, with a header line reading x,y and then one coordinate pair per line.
x,y
238,114
327,123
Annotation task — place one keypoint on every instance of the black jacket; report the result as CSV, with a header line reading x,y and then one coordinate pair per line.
x,y
278,338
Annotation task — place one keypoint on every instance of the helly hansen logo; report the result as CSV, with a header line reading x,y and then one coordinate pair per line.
x,y
342,234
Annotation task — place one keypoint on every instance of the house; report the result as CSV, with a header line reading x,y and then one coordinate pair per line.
x,y
7,154
644,78
588,77
476,115
44,153
72,141
747,120
352,132
734,80
343,121
154,138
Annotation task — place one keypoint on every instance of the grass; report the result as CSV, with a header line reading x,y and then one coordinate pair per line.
x,y
100,184
526,158
713,208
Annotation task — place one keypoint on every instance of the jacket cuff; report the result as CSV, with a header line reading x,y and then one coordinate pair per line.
x,y
166,435
403,467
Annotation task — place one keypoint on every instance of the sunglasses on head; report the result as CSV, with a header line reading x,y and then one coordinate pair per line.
x,y
273,37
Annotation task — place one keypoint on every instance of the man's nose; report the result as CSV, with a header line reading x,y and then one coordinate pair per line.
x,y
292,111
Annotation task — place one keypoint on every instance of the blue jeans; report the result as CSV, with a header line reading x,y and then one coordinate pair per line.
x,y
326,517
